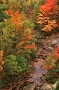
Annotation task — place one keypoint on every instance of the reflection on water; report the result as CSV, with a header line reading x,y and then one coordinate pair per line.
x,y
39,71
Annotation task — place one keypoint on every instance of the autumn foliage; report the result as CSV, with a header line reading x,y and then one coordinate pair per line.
x,y
47,6
23,28
53,59
15,18
18,40
47,15
1,60
25,40
56,52
31,47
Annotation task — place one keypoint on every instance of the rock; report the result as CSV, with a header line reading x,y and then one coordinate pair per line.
x,y
37,88
54,43
30,86
50,49
54,85
46,86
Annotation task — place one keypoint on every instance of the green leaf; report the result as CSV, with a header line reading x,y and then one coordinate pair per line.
x,y
12,57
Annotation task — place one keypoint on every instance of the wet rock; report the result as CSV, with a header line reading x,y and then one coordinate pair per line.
x,y
54,43
50,49
41,56
46,86
30,86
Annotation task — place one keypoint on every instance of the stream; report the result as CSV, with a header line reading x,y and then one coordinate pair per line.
x,y
35,80
45,47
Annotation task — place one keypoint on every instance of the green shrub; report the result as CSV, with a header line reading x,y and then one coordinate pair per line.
x,y
1,84
11,66
33,53
15,65
3,15
50,77
42,1
22,62
53,74
36,10
28,23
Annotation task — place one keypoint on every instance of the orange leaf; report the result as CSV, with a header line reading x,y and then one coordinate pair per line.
x,y
28,37
32,46
50,67
2,62
56,52
20,44
1,68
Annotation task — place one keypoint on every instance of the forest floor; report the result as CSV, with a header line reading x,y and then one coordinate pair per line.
x,y
36,77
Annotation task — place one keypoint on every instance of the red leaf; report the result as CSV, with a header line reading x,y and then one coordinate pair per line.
x,y
47,6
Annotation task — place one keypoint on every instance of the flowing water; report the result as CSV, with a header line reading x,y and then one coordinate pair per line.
x,y
39,71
